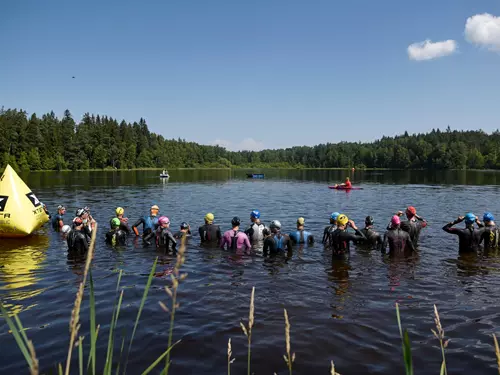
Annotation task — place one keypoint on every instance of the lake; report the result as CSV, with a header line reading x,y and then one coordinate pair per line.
x,y
342,311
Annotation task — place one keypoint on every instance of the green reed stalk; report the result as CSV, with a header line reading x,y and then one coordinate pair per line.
x,y
93,329
405,340
248,330
114,320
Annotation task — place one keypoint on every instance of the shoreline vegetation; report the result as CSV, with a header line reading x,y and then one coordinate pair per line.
x,y
32,143
108,364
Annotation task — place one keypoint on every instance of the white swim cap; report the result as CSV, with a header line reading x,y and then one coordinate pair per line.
x,y
65,228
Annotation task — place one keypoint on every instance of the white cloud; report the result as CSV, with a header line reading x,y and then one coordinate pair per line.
x,y
483,30
427,50
248,144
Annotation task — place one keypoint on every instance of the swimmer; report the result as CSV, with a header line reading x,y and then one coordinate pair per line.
x,y
116,236
234,239
413,225
372,237
397,239
57,220
469,237
276,242
185,231
210,233
330,228
163,236
77,240
300,235
255,231
149,222
340,237
491,234
120,211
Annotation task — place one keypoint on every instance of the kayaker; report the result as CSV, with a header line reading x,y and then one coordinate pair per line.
x,y
116,236
300,235
277,242
340,237
330,228
491,234
346,185
234,239
149,222
255,231
372,237
57,220
469,237
397,239
210,233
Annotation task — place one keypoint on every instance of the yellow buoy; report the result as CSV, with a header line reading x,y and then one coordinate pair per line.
x,y
21,213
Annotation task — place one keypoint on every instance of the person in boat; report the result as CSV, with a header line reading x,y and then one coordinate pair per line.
x,y
413,225
372,237
149,222
163,237
255,231
330,228
185,231
234,239
301,236
120,211
57,220
340,237
210,234
77,240
491,234
397,239
469,237
116,235
346,185
277,242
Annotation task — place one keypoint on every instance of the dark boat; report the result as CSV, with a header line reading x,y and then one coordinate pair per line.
x,y
255,175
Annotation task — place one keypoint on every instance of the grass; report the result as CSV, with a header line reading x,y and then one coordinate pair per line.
x,y
112,365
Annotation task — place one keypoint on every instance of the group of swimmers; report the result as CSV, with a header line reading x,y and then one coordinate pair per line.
x,y
401,236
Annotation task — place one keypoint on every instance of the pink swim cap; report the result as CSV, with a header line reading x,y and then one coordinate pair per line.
x,y
163,220
395,220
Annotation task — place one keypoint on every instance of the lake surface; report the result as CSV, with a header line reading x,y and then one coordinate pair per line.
x,y
342,311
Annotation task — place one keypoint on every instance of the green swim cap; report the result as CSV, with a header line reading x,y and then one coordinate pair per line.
x,y
115,222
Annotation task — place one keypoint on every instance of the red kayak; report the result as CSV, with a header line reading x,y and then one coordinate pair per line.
x,y
338,187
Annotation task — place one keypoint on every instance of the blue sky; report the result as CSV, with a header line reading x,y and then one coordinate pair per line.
x,y
254,74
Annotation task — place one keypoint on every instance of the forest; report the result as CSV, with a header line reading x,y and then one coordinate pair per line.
x,y
101,142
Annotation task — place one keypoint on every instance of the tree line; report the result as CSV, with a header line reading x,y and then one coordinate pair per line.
x,y
52,143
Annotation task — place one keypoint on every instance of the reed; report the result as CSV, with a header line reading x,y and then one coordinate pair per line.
x,y
439,334
497,352
229,359
405,342
289,358
248,330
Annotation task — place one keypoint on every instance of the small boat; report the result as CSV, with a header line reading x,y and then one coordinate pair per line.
x,y
164,174
255,175
339,187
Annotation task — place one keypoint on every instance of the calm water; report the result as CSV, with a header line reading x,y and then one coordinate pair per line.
x,y
343,311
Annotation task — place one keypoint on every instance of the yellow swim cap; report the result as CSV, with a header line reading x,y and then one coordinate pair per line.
x,y
209,217
120,210
155,207
342,219
300,221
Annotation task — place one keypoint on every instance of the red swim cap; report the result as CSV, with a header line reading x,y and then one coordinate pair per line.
x,y
411,210
395,220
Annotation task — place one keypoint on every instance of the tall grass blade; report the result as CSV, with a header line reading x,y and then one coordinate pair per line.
x,y
148,285
405,339
80,354
93,329
15,332
159,359
121,354
443,366
111,338
60,369
497,352
21,329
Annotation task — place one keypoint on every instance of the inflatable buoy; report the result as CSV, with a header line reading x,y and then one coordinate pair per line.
x,y
21,213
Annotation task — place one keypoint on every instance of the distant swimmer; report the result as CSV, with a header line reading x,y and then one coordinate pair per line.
x,y
185,231
234,239
116,235
301,236
210,233
277,242
77,240
57,220
413,225
255,231
397,239
372,237
149,222
340,237
469,237
120,212
491,234
330,228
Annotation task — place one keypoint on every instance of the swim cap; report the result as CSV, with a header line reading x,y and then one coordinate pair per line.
x,y
60,207
395,220
115,222
488,216
342,219
77,221
369,220
411,210
470,218
209,217
334,215
236,221
255,214
66,228
163,220
80,211
301,221
184,225
155,207
120,210
275,224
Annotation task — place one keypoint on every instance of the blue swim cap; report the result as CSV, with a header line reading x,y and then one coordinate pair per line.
x,y
255,214
470,218
334,215
488,216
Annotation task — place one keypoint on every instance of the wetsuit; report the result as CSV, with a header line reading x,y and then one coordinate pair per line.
x,y
55,222
414,226
180,235
372,238
77,241
326,233
301,236
149,224
116,237
491,237
468,238
255,233
277,243
165,240
398,241
235,240
210,234
340,238
124,226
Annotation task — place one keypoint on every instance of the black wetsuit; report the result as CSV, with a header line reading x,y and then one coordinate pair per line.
x,y
277,243
210,234
468,238
55,222
491,237
165,240
398,241
414,227
77,241
116,237
340,238
372,238
180,235
326,233
123,226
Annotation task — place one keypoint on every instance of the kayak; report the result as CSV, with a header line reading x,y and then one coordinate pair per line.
x,y
344,188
